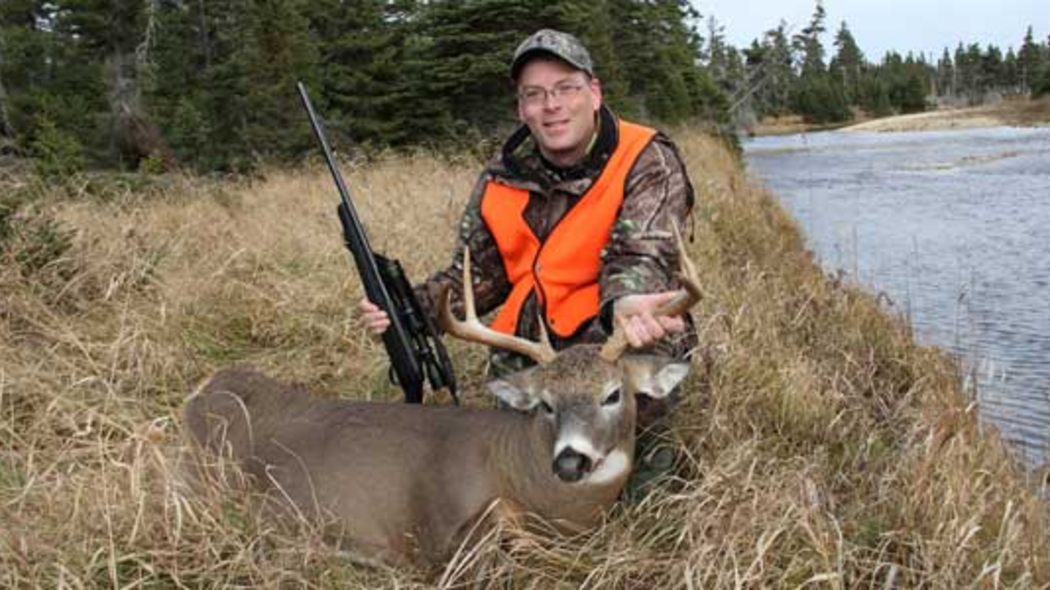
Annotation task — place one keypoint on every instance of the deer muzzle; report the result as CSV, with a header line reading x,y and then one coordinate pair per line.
x,y
571,466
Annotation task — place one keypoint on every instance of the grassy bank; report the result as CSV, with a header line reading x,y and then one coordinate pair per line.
x,y
1013,112
823,446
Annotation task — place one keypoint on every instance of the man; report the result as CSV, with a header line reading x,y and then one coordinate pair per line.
x,y
577,211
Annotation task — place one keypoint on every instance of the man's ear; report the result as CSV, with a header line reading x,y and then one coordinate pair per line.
x,y
596,92
514,393
654,376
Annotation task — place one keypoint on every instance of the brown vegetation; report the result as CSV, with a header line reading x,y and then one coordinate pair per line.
x,y
1015,112
822,446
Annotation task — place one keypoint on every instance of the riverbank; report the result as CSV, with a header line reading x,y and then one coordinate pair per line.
x,y
1008,113
819,444
786,125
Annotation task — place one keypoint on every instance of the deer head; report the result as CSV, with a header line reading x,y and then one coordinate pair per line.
x,y
584,396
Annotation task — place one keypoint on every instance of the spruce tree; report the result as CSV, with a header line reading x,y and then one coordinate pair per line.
x,y
361,50
1030,60
465,49
592,22
946,83
848,63
277,51
114,34
992,68
778,71
807,43
818,96
50,86
1009,77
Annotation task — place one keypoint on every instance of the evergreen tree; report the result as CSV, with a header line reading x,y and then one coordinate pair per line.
x,y
776,75
874,94
946,83
818,96
991,68
716,54
1030,61
906,82
808,46
112,34
659,48
223,78
464,51
277,51
1041,87
178,58
1010,79
592,22
210,83
54,89
848,63
365,86
968,64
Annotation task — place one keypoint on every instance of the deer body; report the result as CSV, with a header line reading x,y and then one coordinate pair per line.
x,y
405,482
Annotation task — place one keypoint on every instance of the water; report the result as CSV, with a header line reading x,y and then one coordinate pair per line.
x,y
954,227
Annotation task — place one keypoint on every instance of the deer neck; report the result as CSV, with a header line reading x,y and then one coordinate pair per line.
x,y
523,461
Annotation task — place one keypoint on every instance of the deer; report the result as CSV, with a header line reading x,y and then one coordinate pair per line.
x,y
404,484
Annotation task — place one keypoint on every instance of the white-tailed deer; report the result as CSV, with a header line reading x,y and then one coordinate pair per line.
x,y
404,483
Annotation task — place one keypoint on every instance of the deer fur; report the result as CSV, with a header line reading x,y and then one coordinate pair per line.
x,y
403,483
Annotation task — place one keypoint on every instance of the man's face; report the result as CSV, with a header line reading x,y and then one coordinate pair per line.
x,y
563,121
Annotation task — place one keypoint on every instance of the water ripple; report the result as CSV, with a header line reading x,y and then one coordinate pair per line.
x,y
954,227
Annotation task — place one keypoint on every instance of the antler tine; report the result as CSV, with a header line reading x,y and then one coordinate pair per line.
x,y
689,296
472,330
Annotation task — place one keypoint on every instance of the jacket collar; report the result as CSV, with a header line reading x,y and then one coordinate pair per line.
x,y
521,161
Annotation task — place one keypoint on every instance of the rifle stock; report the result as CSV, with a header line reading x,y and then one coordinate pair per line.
x,y
416,353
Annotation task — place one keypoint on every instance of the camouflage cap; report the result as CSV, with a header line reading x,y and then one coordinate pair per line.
x,y
561,45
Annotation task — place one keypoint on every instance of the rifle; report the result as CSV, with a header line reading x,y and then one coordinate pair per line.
x,y
411,342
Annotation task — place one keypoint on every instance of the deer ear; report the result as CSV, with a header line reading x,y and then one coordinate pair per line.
x,y
514,395
652,375
668,377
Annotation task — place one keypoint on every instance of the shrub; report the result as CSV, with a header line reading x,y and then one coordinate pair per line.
x,y
57,154
1041,87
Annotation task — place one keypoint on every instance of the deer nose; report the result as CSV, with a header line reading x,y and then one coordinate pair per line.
x,y
571,466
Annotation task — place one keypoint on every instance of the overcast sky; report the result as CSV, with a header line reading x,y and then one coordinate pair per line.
x,y
883,25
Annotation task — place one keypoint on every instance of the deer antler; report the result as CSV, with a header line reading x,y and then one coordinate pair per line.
x,y
689,296
472,330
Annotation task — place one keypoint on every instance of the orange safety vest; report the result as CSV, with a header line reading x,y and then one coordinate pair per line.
x,y
565,266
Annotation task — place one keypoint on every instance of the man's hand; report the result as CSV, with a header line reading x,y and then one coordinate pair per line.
x,y
375,319
634,315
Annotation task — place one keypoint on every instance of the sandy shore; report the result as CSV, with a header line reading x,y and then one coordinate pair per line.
x,y
1015,113
970,118
1010,113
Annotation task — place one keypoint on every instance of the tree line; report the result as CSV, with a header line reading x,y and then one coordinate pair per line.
x,y
787,72
209,85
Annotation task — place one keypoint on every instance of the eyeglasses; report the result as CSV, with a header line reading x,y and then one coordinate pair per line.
x,y
533,96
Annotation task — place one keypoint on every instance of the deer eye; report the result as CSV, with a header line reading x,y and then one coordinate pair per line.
x,y
613,398
546,407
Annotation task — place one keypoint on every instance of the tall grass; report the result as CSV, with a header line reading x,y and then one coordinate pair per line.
x,y
822,446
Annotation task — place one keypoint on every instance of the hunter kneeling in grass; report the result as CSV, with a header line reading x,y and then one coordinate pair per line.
x,y
573,223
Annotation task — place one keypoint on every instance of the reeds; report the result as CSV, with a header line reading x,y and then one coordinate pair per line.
x,y
820,445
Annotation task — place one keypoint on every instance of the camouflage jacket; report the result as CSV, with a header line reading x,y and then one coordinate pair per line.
x,y
641,256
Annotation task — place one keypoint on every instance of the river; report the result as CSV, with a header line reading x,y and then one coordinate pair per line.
x,y
954,226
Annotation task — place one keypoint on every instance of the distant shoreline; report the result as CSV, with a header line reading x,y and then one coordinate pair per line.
x,y
1008,113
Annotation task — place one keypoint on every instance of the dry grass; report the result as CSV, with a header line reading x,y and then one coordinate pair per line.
x,y
824,447
1015,112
